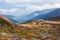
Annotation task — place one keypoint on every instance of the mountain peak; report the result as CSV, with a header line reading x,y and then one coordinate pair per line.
x,y
50,14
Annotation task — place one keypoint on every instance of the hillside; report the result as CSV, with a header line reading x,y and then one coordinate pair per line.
x,y
54,18
6,24
28,29
8,27
42,28
54,13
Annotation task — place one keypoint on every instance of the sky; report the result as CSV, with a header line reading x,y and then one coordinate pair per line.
x,y
22,7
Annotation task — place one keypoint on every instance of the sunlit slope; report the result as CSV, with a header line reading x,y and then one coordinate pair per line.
x,y
5,25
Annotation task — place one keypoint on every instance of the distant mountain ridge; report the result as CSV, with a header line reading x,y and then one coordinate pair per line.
x,y
33,15
54,13
12,18
44,14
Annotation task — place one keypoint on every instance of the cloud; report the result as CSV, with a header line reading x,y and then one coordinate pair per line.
x,y
6,11
39,0
34,7
21,7
23,1
57,5
10,1
55,1
36,2
45,6
36,14
18,1
13,9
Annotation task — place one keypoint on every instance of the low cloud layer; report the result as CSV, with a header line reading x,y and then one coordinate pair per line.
x,y
21,7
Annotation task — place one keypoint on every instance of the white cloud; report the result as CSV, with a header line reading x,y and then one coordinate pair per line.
x,y
6,11
9,1
57,5
39,0
32,1
18,1
45,6
13,9
34,7
26,1
19,5
36,14
23,1
31,8
31,5
55,1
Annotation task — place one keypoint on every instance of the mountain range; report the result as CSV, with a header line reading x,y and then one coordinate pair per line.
x,y
28,29
54,13
44,14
